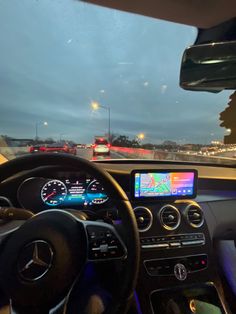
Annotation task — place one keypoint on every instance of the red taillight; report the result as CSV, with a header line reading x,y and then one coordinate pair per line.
x,y
94,145
108,145
42,148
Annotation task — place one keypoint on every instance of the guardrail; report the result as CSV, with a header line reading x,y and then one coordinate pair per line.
x,y
139,153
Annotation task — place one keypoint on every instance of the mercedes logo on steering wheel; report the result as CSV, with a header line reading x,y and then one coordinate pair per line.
x,y
35,260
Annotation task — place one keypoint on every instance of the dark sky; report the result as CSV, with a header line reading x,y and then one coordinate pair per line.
x,y
56,56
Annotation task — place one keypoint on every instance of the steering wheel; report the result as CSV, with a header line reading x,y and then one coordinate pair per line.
x,y
42,260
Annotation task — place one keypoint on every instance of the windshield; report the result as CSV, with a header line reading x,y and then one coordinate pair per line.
x,y
71,71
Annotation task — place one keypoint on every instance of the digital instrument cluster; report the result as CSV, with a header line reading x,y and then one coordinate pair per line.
x,y
65,190
70,192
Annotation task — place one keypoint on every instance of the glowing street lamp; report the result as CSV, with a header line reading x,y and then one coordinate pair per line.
x,y
96,106
37,126
141,136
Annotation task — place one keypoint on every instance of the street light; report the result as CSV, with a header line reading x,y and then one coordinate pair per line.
x,y
36,128
141,136
96,106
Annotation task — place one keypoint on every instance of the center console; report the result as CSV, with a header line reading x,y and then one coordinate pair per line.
x,y
201,299
177,271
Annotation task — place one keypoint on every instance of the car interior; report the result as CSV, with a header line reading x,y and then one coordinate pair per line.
x,y
151,253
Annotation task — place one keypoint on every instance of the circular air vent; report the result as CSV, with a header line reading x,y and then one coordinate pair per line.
x,y
144,218
170,217
5,202
194,215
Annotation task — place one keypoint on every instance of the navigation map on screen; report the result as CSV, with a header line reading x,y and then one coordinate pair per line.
x,y
164,184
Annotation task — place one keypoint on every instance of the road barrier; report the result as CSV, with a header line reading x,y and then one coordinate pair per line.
x,y
139,153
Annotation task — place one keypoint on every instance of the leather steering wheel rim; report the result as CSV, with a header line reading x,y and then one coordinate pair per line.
x,y
120,200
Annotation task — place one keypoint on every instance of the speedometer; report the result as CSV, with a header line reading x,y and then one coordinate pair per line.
x,y
54,192
96,193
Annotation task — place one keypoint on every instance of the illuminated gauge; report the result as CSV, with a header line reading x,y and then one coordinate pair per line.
x,y
96,193
54,192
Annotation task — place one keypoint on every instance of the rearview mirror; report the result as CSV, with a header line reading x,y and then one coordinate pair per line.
x,y
209,67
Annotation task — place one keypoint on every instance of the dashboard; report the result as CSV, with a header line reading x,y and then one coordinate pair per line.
x,y
64,190
178,210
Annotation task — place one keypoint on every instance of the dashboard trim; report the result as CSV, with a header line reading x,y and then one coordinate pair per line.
x,y
196,226
167,258
161,220
150,215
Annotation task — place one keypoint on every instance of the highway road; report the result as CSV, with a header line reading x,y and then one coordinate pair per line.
x,y
13,152
88,154
81,152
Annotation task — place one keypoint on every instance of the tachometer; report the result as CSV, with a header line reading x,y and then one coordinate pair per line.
x,y
54,192
96,193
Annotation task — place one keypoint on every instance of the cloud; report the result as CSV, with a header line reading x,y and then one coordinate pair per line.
x,y
56,58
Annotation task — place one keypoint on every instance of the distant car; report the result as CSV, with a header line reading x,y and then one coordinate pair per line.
x,y
88,145
81,145
59,147
35,149
101,147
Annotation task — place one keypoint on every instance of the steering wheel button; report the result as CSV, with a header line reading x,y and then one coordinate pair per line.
x,y
112,242
94,244
108,234
104,248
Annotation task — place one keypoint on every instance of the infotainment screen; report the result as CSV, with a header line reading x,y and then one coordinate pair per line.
x,y
163,184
